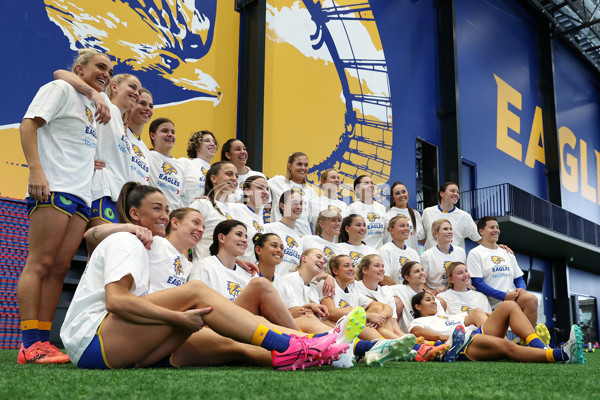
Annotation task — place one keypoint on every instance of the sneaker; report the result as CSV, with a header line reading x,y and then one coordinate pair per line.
x,y
391,349
345,360
427,352
350,326
574,346
55,353
543,334
456,343
302,350
34,354
329,356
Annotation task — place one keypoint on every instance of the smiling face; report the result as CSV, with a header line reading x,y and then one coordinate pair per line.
x,y
126,93
164,138
314,261
271,253
375,271
143,111
331,181
258,194
450,196
460,277
97,72
293,206
365,188
400,196
444,234
298,169
237,154
153,213
401,230
235,242
189,230
225,181
357,230
491,232
345,271
331,226
428,306
417,276
207,148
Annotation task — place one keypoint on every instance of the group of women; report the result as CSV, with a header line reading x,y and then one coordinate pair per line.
x,y
346,274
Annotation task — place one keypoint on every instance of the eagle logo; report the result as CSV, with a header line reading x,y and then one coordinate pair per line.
x,y
466,309
497,260
328,252
403,260
89,115
204,171
343,304
291,242
178,267
234,289
298,190
356,256
442,317
257,227
137,151
372,217
228,216
168,169
446,265
334,208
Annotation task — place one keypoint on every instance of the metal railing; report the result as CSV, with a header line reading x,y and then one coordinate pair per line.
x,y
506,199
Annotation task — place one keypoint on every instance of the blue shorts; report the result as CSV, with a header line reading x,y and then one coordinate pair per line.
x,y
463,356
63,202
105,209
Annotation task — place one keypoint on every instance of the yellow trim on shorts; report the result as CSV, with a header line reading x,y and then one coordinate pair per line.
x,y
471,341
100,217
98,333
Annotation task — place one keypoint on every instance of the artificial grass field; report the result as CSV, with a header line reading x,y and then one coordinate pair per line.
x,y
396,380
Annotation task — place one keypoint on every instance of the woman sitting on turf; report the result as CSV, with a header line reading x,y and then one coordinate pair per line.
x,y
484,337
113,323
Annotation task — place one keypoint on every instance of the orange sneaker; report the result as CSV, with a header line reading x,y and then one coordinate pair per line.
x,y
428,352
38,353
57,356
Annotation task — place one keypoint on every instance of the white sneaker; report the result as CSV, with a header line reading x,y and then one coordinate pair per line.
x,y
350,326
391,349
574,346
345,360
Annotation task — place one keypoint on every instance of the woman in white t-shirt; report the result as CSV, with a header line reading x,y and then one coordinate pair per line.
x,y
399,206
166,173
221,182
295,178
58,136
330,186
372,211
460,297
113,323
234,151
477,337
397,253
139,116
350,239
436,259
201,149
327,228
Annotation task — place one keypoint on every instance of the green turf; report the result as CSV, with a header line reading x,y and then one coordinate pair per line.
x,y
396,380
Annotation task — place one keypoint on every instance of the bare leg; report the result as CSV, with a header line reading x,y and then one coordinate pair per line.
x,y
310,323
476,317
261,298
529,305
491,348
508,313
369,333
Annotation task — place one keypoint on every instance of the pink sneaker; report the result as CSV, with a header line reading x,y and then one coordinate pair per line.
x,y
302,350
328,356
58,356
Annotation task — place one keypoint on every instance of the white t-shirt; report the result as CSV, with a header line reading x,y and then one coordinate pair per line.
x,y
457,302
440,324
67,141
356,253
304,293
139,166
291,246
416,233
463,225
167,174
435,263
346,298
212,217
114,148
228,282
254,224
330,249
286,292
394,258
239,193
497,268
325,203
405,293
119,255
279,184
168,267
375,218
195,178
382,294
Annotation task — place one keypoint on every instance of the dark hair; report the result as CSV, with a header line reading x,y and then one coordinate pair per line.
x,y
291,158
411,211
343,237
223,227
227,148
195,141
259,240
155,124
443,189
417,299
405,270
179,214
357,181
248,183
483,222
132,194
208,183
285,196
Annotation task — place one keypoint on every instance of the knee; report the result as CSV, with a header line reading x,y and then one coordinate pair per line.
x,y
529,302
508,306
259,285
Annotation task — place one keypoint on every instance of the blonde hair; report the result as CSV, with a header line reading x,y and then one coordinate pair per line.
x,y
326,215
84,56
364,263
450,269
306,253
116,80
437,224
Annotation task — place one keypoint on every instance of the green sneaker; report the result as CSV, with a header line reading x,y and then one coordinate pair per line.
x,y
391,349
574,346
350,326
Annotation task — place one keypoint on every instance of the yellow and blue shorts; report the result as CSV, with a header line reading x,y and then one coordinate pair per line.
x,y
105,209
63,202
462,356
